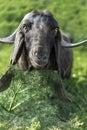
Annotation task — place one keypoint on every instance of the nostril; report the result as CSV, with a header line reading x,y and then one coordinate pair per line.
x,y
40,55
36,54
44,57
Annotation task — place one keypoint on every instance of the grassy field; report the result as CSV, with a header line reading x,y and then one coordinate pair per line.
x,y
71,18
32,103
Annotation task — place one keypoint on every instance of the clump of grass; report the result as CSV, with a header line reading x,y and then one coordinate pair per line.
x,y
31,102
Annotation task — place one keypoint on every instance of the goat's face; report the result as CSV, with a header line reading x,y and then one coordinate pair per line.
x,y
39,32
36,36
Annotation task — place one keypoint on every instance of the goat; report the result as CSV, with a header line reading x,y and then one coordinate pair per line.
x,y
39,43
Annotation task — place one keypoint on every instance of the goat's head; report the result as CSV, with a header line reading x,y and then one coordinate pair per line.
x,y
38,33
39,30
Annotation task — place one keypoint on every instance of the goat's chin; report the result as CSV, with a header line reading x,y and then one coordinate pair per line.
x,y
37,65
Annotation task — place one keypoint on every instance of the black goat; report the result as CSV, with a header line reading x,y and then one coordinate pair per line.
x,y
39,43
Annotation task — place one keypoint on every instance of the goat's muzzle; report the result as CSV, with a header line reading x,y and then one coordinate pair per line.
x,y
39,57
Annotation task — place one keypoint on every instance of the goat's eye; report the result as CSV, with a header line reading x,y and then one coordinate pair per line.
x,y
24,26
56,30
27,27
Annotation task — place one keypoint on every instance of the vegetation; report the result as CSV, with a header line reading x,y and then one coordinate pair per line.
x,y
31,103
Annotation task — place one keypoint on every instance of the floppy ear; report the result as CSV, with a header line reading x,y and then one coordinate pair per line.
x,y
64,57
18,47
57,47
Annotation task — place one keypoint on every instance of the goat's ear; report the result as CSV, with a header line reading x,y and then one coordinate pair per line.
x,y
64,57
18,47
57,47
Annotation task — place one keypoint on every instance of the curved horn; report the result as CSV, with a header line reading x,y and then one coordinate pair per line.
x,y
9,39
71,45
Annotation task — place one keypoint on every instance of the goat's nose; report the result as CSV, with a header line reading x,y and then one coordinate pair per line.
x,y
40,55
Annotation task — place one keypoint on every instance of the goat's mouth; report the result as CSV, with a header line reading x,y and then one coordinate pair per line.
x,y
38,64
38,58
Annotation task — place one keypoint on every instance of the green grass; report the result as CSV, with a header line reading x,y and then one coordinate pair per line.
x,y
31,103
